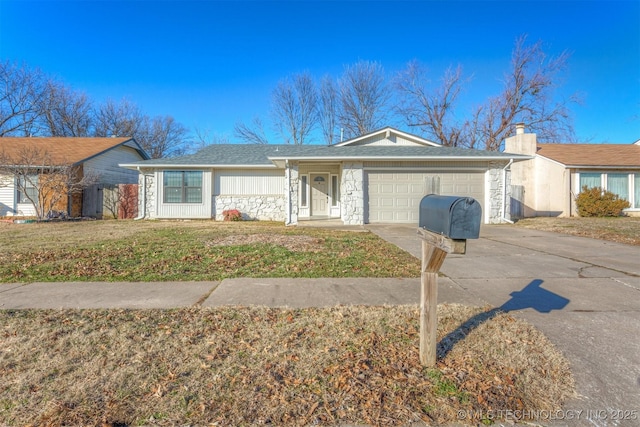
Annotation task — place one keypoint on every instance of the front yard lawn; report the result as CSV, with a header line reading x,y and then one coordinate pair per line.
x,y
191,250
241,366
619,229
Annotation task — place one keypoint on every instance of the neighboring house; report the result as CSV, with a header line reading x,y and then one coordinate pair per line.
x,y
98,156
547,184
379,177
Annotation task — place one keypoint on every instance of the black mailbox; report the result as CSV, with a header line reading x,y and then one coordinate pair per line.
x,y
452,216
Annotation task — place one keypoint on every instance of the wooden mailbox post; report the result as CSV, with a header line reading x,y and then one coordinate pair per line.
x,y
435,248
446,222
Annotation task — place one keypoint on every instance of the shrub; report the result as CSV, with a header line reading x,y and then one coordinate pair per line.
x,y
232,215
597,202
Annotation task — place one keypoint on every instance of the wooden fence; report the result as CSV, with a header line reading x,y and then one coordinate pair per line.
x,y
111,201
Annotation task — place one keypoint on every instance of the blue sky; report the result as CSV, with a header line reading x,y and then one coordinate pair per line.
x,y
210,64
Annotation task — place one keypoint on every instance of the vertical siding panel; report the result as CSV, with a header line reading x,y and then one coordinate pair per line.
x,y
106,166
249,182
7,194
185,210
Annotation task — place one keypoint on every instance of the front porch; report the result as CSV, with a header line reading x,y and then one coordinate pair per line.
x,y
325,192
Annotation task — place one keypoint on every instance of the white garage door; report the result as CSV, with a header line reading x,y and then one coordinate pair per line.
x,y
395,196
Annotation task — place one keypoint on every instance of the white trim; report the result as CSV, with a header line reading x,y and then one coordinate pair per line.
x,y
310,195
552,161
630,169
387,130
388,158
427,168
198,166
486,211
300,189
604,176
333,195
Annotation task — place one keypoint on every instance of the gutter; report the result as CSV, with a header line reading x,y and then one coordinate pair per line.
x,y
142,212
504,192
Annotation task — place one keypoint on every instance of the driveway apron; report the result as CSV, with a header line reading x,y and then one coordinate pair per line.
x,y
584,294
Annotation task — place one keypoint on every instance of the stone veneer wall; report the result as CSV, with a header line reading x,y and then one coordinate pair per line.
x,y
150,197
352,193
260,207
292,192
494,188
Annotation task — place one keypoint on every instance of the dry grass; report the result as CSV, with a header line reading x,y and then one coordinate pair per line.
x,y
191,250
619,229
253,366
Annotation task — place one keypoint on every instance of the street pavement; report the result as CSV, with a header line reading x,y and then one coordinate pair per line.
x,y
584,294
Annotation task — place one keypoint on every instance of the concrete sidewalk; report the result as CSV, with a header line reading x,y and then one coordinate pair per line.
x,y
584,294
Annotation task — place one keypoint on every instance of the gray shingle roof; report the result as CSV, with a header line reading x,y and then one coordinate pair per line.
x,y
263,155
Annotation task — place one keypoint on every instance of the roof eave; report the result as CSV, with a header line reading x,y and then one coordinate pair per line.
x,y
385,129
602,166
516,158
137,166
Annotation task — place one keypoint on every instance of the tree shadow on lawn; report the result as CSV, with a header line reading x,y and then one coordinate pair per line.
x,y
532,296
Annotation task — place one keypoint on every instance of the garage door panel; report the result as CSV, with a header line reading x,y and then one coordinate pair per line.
x,y
395,196
401,189
402,203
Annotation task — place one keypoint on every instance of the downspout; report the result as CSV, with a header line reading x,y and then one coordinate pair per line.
x,y
504,192
142,212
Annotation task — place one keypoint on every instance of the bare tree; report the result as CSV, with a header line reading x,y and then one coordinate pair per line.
x,y
527,97
429,109
251,134
64,112
161,136
364,96
328,109
294,107
43,182
21,90
118,119
206,137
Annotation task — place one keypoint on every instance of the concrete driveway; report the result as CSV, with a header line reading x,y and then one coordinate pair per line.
x,y
584,294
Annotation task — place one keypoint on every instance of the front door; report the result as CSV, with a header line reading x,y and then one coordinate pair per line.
x,y
319,194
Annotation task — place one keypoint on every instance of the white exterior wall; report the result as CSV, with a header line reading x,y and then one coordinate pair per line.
x,y
546,184
352,195
552,194
7,196
258,194
106,166
183,210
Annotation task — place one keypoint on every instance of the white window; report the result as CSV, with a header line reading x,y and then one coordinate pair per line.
x,y
624,185
27,189
303,191
335,190
182,186
618,183
590,180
